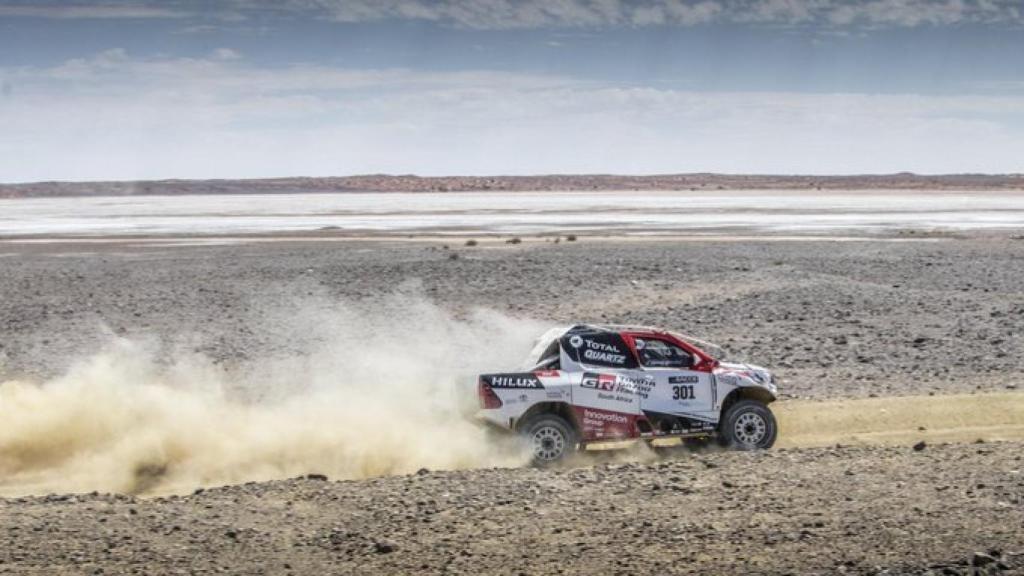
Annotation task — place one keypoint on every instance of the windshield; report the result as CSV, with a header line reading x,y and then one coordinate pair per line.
x,y
713,350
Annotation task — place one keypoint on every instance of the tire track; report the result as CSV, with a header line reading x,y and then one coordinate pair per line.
x,y
901,420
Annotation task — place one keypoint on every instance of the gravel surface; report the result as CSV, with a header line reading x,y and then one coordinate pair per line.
x,y
951,509
834,319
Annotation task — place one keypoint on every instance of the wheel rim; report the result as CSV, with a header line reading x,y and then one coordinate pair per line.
x,y
548,443
750,428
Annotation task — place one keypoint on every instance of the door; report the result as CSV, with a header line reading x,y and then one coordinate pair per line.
x,y
678,389
606,384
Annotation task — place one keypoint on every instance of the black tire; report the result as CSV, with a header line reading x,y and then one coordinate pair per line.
x,y
748,425
550,437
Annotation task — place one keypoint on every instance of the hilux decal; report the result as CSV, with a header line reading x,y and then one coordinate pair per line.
x,y
524,380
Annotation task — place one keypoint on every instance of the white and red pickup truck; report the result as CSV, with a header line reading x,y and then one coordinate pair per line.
x,y
592,384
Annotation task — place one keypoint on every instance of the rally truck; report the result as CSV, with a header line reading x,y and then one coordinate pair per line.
x,y
589,385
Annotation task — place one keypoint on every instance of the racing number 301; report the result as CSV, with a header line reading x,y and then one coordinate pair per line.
x,y
683,393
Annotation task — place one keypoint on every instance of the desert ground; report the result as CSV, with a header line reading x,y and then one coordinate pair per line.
x,y
835,318
899,361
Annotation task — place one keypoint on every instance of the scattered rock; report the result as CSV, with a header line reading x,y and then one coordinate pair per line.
x,y
920,446
981,559
384,547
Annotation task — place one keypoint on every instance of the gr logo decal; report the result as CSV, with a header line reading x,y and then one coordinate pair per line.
x,y
598,381
576,341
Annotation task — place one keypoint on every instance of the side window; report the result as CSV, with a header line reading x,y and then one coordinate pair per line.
x,y
660,354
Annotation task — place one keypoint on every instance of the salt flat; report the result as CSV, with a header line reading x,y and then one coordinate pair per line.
x,y
472,213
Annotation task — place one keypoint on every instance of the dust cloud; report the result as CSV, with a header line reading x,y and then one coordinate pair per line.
x,y
348,389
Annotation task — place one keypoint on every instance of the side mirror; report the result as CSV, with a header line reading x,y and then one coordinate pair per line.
x,y
710,364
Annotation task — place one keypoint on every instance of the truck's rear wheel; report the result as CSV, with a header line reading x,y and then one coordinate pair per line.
x,y
550,438
748,425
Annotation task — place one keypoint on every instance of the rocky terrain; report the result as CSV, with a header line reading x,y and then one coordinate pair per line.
x,y
953,509
411,183
834,319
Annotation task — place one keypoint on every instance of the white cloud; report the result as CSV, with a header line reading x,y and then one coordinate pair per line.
x,y
226,54
910,13
787,11
115,116
512,14
64,10
506,14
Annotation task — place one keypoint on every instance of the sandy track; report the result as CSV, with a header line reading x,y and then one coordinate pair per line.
x,y
901,420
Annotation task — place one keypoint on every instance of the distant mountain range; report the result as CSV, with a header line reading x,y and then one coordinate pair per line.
x,y
568,182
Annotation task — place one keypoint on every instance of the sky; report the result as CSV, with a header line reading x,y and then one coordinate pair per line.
x,y
144,89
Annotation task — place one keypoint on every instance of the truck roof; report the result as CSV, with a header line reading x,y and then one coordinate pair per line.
x,y
543,344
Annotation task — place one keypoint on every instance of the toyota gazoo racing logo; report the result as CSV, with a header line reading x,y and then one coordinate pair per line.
x,y
598,381
639,385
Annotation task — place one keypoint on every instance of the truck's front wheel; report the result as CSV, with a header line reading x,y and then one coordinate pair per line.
x,y
550,438
748,425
